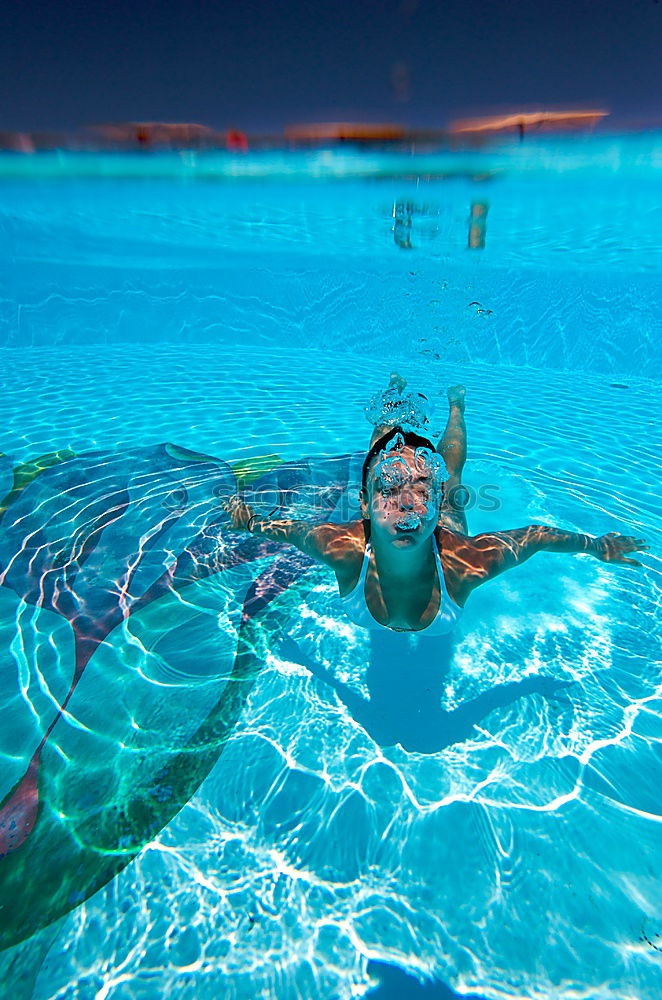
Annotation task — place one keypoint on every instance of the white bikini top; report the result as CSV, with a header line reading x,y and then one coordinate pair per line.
x,y
356,608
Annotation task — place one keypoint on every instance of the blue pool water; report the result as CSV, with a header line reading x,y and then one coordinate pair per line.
x,y
246,308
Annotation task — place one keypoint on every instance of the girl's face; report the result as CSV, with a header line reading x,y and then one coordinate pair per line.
x,y
404,490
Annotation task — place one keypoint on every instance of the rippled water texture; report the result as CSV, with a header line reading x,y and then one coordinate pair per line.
x,y
482,809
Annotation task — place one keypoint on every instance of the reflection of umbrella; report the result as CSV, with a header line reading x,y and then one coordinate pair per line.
x,y
319,131
97,539
523,120
17,142
170,134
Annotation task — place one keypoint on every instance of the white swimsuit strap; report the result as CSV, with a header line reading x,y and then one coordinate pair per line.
x,y
356,606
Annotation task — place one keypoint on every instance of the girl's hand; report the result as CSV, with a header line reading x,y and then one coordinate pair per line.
x,y
612,548
239,511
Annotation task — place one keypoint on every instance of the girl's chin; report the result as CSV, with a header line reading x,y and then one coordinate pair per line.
x,y
404,538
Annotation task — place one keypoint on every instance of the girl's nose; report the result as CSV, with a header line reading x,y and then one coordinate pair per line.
x,y
406,498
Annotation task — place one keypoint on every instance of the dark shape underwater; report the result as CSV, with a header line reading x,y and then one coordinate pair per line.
x,y
405,699
96,538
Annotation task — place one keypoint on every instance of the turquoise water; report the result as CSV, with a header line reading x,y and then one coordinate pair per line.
x,y
244,307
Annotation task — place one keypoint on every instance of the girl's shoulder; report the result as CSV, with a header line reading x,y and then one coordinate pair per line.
x,y
466,560
449,540
344,542
344,546
456,551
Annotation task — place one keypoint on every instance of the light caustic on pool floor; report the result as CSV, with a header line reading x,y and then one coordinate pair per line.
x,y
526,844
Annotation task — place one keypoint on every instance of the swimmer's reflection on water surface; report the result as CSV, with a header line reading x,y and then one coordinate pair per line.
x,y
409,565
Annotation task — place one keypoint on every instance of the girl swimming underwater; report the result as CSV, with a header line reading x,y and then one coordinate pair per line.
x,y
409,564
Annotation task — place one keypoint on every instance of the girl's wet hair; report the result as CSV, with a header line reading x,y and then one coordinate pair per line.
x,y
409,437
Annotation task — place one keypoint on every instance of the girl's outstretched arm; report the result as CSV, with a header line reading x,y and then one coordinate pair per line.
x,y
492,553
326,543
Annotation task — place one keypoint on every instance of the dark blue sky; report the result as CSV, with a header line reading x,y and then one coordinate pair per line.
x,y
259,65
